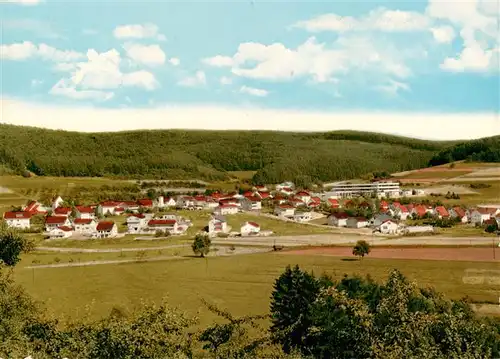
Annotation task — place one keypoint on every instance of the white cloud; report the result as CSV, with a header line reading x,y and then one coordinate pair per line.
x,y
224,80
36,82
478,24
174,61
312,59
443,34
138,31
22,2
380,19
100,72
394,87
197,80
254,91
150,55
91,119
219,61
26,50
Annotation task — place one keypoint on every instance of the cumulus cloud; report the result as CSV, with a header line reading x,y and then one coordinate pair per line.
x,y
218,61
26,50
174,61
149,55
380,19
101,72
253,91
198,79
443,34
138,31
313,59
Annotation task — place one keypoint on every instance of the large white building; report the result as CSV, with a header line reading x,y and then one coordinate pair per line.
x,y
344,190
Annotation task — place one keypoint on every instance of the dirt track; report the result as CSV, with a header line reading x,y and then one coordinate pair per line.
x,y
447,254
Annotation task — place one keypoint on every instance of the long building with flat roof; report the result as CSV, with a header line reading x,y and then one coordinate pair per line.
x,y
357,189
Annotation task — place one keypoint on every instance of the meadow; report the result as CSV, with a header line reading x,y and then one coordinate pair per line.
x,y
241,284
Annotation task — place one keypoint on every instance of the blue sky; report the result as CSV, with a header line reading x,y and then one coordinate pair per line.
x,y
339,58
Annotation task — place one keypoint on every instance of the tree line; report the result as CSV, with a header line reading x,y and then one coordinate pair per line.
x,y
482,150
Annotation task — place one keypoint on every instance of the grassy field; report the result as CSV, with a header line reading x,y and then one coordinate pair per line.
x,y
241,284
488,195
242,175
444,174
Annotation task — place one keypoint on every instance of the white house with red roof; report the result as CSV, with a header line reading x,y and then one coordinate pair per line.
x,y
287,191
85,212
52,222
263,195
137,222
284,210
35,207
303,196
62,211
145,203
165,225
57,202
20,220
482,214
166,202
225,209
357,222
106,229
84,226
250,229
60,232
460,213
402,212
185,202
288,185
108,207
251,203
260,188
279,199
333,202
217,224
296,202
338,219
441,212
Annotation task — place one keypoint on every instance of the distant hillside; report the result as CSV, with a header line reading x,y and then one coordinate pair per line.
x,y
482,150
176,154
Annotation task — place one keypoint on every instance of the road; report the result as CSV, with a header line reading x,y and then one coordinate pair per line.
x,y
106,250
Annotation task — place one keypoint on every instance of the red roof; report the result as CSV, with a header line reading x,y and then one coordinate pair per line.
x,y
287,189
279,197
420,210
302,193
55,220
62,210
263,194
145,202
316,199
119,209
333,202
285,206
32,207
253,224
384,204
484,210
17,215
83,209
138,215
253,199
395,204
459,211
65,228
105,226
442,211
109,204
340,215
161,222
403,209
82,221
248,194
200,198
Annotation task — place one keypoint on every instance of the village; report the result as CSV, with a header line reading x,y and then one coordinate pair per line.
x,y
376,206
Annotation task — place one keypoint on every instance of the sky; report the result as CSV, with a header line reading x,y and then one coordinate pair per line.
x,y
426,69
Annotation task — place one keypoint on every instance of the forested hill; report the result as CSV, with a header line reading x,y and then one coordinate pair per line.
x,y
177,154
482,150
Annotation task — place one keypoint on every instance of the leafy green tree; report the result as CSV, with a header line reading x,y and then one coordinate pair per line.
x,y
12,245
291,307
361,249
201,244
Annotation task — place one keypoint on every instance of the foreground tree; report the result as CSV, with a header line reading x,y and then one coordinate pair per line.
x,y
361,249
12,245
201,245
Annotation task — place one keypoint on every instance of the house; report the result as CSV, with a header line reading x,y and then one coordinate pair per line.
x,y
260,188
20,220
296,202
165,225
482,214
145,203
249,228
62,211
136,223
130,206
314,201
108,207
279,199
419,211
52,222
402,212
383,206
357,222
106,229
225,209
185,202
119,211
283,185
168,201
35,207
84,226
338,219
287,191
251,203
263,195
378,219
217,224
302,216
60,232
230,201
284,210
57,202
333,203
441,212
388,226
85,212
303,196
457,212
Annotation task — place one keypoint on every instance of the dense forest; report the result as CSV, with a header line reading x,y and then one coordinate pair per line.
x,y
483,150
209,155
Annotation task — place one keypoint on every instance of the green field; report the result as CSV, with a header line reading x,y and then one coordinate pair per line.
x,y
444,174
241,284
